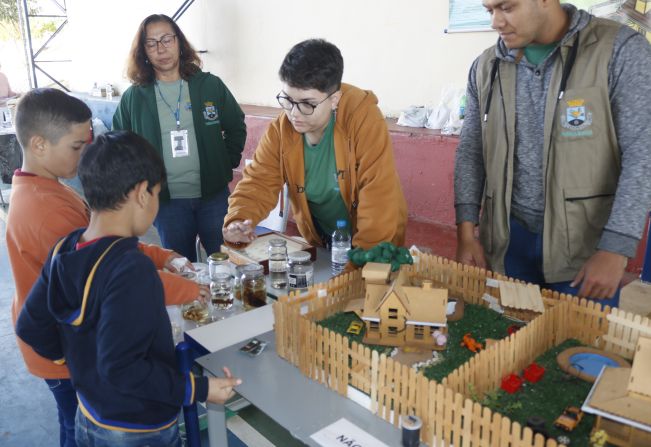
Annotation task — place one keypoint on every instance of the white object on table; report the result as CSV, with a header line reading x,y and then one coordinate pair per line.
x,y
344,432
235,329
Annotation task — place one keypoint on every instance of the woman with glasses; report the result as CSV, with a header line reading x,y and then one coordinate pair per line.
x,y
332,148
196,125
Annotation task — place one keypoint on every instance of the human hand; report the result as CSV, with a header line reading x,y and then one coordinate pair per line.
x,y
239,231
204,293
469,250
221,389
173,266
600,275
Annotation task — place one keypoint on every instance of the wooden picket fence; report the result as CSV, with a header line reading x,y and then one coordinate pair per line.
x,y
449,416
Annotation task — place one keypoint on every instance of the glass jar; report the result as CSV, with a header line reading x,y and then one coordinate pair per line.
x,y
301,272
237,283
278,263
218,263
254,287
221,291
196,311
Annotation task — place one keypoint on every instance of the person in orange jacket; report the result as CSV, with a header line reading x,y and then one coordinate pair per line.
x,y
332,148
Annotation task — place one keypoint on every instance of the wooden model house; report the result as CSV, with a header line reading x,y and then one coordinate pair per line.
x,y
621,400
398,314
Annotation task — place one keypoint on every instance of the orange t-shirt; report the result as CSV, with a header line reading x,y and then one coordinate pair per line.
x,y
42,211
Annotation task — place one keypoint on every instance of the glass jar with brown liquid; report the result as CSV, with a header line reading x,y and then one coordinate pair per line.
x,y
254,288
221,291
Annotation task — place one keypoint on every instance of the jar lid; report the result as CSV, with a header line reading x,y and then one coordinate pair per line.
x,y
252,268
219,256
299,256
277,242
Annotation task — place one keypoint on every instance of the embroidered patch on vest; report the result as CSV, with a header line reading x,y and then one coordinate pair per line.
x,y
210,111
577,117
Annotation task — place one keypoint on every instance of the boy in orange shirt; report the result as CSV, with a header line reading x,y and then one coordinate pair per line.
x,y
52,129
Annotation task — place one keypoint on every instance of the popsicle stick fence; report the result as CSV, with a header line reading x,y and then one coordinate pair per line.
x,y
449,415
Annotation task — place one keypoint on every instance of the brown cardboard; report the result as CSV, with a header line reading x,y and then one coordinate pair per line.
x,y
640,380
623,393
636,297
376,273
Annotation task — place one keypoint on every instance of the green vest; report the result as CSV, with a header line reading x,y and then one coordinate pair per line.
x,y
581,158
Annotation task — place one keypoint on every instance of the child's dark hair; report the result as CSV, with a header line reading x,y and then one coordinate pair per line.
x,y
49,113
313,64
114,164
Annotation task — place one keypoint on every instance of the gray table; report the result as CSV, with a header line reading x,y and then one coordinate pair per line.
x,y
295,402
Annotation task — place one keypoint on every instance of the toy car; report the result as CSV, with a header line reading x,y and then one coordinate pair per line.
x,y
355,328
569,419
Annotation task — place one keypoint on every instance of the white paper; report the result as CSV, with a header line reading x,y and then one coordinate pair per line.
x,y
452,306
345,433
490,282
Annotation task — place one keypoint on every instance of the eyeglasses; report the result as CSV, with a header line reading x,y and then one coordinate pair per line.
x,y
304,107
167,41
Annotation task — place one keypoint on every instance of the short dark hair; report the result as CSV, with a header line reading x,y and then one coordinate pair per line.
x,y
114,164
49,113
140,71
313,64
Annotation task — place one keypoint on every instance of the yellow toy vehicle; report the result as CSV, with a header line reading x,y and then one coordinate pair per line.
x,y
355,328
569,419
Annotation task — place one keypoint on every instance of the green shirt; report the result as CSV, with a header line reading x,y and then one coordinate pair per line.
x,y
183,177
321,186
535,53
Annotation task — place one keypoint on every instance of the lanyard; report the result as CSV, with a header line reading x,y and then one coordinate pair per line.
x,y
176,114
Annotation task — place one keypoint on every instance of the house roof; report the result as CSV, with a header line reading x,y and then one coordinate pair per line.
x,y
621,394
424,305
427,305
521,296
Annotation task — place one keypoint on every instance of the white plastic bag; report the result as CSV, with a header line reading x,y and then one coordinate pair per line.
x,y
455,120
446,115
413,116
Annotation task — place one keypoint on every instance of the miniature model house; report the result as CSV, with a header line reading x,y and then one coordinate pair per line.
x,y
621,400
398,314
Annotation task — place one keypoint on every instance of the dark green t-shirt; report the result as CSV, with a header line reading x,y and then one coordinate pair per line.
x,y
321,186
535,53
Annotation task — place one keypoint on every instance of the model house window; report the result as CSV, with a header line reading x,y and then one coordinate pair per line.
x,y
393,314
432,329
419,332
393,331
374,327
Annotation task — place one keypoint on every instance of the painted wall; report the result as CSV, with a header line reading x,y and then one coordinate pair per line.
x,y
397,49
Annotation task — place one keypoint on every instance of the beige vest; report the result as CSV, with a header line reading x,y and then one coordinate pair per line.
x,y
581,158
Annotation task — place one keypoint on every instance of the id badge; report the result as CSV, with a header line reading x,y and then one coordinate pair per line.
x,y
179,139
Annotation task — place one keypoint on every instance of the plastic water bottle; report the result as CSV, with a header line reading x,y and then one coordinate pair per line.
x,y
340,247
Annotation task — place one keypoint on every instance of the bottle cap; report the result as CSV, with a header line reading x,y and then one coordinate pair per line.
x,y
411,422
299,256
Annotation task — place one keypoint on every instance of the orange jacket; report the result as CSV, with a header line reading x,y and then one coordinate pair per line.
x,y
42,211
368,181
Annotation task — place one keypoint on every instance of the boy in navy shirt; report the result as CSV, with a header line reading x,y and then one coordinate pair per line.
x,y
98,306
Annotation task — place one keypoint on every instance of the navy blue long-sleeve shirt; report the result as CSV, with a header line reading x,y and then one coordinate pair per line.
x,y
116,337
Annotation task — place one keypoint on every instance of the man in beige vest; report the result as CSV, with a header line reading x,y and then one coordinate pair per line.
x,y
555,149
